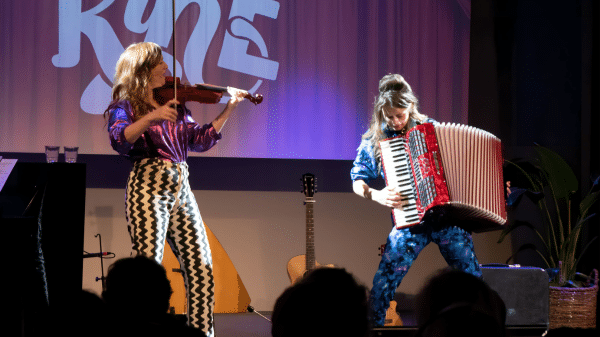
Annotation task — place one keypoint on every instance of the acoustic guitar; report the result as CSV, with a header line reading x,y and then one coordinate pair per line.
x,y
300,265
391,316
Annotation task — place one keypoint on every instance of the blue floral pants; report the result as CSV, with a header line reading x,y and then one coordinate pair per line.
x,y
402,248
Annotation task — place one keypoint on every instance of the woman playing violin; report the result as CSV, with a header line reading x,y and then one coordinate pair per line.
x,y
159,202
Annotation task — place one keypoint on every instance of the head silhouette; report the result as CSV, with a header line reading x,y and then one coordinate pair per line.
x,y
456,303
137,285
326,302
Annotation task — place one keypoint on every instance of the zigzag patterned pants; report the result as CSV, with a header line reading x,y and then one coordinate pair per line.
x,y
161,206
402,248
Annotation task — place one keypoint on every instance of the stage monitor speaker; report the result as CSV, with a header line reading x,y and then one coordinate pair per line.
x,y
524,291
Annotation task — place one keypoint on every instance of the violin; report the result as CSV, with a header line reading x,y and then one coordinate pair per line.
x,y
202,93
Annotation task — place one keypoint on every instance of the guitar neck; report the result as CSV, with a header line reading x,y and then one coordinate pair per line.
x,y
310,235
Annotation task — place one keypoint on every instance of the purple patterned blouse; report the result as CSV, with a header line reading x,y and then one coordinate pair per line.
x,y
164,140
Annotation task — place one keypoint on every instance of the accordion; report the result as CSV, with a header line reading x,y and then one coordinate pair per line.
x,y
450,168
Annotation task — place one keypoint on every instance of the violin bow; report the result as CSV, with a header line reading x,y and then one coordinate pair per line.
x,y
174,58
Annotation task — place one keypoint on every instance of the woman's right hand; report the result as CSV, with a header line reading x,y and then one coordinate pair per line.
x,y
387,197
164,112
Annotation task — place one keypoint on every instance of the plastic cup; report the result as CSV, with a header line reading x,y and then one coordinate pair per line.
x,y
52,153
71,154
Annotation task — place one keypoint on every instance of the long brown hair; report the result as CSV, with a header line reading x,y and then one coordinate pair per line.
x,y
133,75
394,92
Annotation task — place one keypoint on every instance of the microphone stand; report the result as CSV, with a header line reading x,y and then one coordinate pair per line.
x,y
101,263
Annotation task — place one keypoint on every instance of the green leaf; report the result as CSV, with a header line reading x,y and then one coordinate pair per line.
x,y
561,177
575,232
588,202
574,269
569,249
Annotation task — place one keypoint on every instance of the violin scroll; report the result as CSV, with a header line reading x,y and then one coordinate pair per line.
x,y
256,99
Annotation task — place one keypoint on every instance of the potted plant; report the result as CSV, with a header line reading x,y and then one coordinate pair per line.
x,y
552,188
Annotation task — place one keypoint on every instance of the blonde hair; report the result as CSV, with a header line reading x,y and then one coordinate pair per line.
x,y
394,92
133,75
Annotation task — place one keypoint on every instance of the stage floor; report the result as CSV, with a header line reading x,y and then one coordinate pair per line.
x,y
252,325
242,325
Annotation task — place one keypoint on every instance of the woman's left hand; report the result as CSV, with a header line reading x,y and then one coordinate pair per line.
x,y
237,95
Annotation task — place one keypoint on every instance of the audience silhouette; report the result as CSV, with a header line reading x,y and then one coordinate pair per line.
x,y
137,295
89,318
455,303
325,302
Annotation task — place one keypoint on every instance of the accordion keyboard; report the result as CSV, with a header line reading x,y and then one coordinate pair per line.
x,y
398,175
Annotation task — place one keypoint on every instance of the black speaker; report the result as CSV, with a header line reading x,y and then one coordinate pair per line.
x,y
524,291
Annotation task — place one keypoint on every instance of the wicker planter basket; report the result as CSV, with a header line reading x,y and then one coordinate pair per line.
x,y
574,307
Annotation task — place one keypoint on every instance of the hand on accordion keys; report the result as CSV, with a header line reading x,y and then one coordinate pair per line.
x,y
389,196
